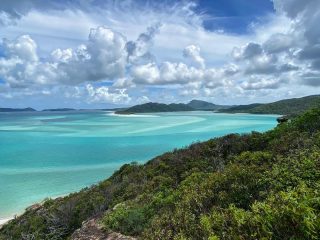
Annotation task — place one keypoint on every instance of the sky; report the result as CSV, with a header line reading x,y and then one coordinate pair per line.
x,y
105,54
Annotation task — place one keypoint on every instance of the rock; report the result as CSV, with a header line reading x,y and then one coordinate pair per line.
x,y
34,207
282,119
92,230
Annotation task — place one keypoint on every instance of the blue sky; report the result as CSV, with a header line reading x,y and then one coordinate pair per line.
x,y
234,15
100,54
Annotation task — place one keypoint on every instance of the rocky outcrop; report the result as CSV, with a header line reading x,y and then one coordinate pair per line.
x,y
92,230
282,119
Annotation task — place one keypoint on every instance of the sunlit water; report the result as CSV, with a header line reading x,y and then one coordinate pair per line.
x,y
52,154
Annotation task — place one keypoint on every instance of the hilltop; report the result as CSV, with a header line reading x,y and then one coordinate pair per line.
x,y
205,106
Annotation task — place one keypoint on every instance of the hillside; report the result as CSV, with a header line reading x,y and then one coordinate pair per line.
x,y
241,108
203,105
156,107
17,110
250,186
292,106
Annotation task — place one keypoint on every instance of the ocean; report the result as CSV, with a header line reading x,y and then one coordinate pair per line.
x,y
50,154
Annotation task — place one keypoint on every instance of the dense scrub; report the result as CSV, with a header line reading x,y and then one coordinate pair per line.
x,y
251,186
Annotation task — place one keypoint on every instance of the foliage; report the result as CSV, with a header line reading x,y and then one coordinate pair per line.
x,y
292,106
156,107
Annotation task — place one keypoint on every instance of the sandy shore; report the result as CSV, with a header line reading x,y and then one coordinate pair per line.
x,y
4,220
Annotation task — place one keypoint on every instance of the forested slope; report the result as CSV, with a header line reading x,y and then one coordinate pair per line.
x,y
293,106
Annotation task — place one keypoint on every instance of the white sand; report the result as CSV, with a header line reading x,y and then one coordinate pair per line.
x,y
4,220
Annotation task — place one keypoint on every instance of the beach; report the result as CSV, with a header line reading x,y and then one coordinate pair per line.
x,y
4,220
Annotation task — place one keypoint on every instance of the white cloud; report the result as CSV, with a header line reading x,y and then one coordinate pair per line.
x,y
63,55
119,50
139,50
103,57
148,73
21,67
278,42
248,51
256,83
193,52
104,95
23,48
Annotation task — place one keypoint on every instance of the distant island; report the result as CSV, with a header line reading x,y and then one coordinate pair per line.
x,y
17,109
59,110
292,107
156,107
151,107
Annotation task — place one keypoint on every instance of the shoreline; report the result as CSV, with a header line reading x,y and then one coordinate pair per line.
x,y
5,220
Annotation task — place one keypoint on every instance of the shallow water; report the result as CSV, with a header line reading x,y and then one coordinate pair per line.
x,y
54,153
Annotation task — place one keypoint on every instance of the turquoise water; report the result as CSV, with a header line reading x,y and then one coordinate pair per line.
x,y
52,154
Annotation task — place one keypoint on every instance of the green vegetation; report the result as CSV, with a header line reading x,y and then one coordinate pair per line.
x,y
156,107
205,106
173,107
250,186
291,107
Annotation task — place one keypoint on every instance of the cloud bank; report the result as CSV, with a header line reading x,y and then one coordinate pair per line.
x,y
174,53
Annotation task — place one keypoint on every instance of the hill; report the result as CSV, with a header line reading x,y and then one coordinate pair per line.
x,y
203,105
156,107
249,186
292,106
17,110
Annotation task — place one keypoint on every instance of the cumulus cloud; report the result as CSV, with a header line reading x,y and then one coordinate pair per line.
x,y
104,95
278,42
248,51
166,73
295,50
193,52
257,83
305,33
102,58
20,66
273,56
139,50
23,48
63,55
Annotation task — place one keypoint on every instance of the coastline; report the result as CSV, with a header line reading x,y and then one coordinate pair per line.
x,y
5,220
